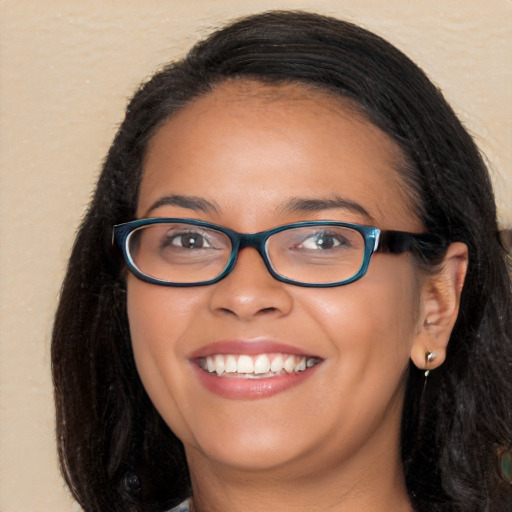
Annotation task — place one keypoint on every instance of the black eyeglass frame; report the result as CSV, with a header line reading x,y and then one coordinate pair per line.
x,y
375,240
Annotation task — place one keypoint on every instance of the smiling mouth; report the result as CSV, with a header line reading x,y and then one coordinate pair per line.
x,y
260,366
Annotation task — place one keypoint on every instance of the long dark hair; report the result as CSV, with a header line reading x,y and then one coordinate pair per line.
x,y
115,450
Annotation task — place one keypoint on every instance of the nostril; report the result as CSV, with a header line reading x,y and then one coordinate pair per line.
x,y
264,311
228,311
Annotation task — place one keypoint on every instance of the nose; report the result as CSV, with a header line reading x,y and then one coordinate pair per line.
x,y
249,291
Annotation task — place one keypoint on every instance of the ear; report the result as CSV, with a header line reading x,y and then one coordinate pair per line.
x,y
440,299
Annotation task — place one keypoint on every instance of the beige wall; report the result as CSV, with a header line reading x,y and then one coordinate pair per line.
x,y
67,68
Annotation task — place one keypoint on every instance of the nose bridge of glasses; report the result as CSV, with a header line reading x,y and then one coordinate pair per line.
x,y
248,240
254,240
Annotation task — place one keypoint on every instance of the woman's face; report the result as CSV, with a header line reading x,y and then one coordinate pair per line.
x,y
251,157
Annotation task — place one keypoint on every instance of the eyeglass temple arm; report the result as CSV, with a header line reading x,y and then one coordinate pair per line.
x,y
428,246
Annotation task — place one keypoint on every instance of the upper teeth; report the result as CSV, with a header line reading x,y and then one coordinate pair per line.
x,y
261,364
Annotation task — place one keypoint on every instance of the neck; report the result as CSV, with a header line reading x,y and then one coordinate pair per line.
x,y
328,495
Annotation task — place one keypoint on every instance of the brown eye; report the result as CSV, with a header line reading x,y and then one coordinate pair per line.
x,y
189,241
323,240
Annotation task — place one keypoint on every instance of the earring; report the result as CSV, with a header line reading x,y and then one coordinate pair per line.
x,y
429,357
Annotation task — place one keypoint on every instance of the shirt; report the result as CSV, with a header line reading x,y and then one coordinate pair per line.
x,y
182,507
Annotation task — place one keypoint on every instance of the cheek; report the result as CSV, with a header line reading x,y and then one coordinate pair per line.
x,y
159,319
372,323
160,315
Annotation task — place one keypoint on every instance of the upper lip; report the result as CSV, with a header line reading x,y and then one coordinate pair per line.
x,y
249,347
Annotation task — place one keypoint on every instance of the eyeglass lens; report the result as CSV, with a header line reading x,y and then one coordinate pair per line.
x,y
185,253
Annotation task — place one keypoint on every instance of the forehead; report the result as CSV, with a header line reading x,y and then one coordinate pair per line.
x,y
256,145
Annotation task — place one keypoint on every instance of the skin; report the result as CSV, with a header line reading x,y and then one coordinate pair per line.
x,y
331,442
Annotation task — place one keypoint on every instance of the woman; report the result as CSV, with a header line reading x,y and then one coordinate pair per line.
x,y
303,304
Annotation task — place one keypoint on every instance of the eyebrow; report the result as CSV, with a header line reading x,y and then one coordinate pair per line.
x,y
294,205
189,202
301,205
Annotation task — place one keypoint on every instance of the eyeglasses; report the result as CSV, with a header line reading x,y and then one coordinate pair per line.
x,y
188,252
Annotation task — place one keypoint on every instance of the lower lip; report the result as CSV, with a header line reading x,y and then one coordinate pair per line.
x,y
238,388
